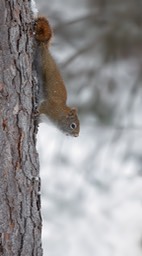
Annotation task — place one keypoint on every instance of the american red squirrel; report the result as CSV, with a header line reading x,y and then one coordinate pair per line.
x,y
54,93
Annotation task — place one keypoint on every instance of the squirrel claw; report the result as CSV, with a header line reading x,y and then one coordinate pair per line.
x,y
35,114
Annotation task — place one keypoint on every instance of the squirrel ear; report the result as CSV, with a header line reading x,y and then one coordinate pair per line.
x,y
74,110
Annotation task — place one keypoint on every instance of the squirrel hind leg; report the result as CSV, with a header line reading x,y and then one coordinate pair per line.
x,y
43,31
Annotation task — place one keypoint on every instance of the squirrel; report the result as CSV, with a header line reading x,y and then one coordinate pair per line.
x,y
54,94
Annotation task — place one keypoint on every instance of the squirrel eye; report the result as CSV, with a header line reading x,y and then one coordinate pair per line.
x,y
73,126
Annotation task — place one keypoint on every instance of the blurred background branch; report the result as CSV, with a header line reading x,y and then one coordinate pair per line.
x,y
94,197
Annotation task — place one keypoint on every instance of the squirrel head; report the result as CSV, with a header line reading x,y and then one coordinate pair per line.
x,y
69,123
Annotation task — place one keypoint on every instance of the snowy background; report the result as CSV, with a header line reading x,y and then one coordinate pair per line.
x,y
92,185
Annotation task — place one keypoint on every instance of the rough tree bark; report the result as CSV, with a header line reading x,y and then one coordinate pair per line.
x,y
20,219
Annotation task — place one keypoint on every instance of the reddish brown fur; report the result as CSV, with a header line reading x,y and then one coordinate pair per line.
x,y
55,95
43,30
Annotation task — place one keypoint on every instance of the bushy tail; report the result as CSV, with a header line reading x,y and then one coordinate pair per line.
x,y
43,31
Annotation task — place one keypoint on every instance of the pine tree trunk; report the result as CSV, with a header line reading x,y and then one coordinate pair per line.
x,y
20,219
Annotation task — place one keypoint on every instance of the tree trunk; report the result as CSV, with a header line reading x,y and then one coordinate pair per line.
x,y
20,219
